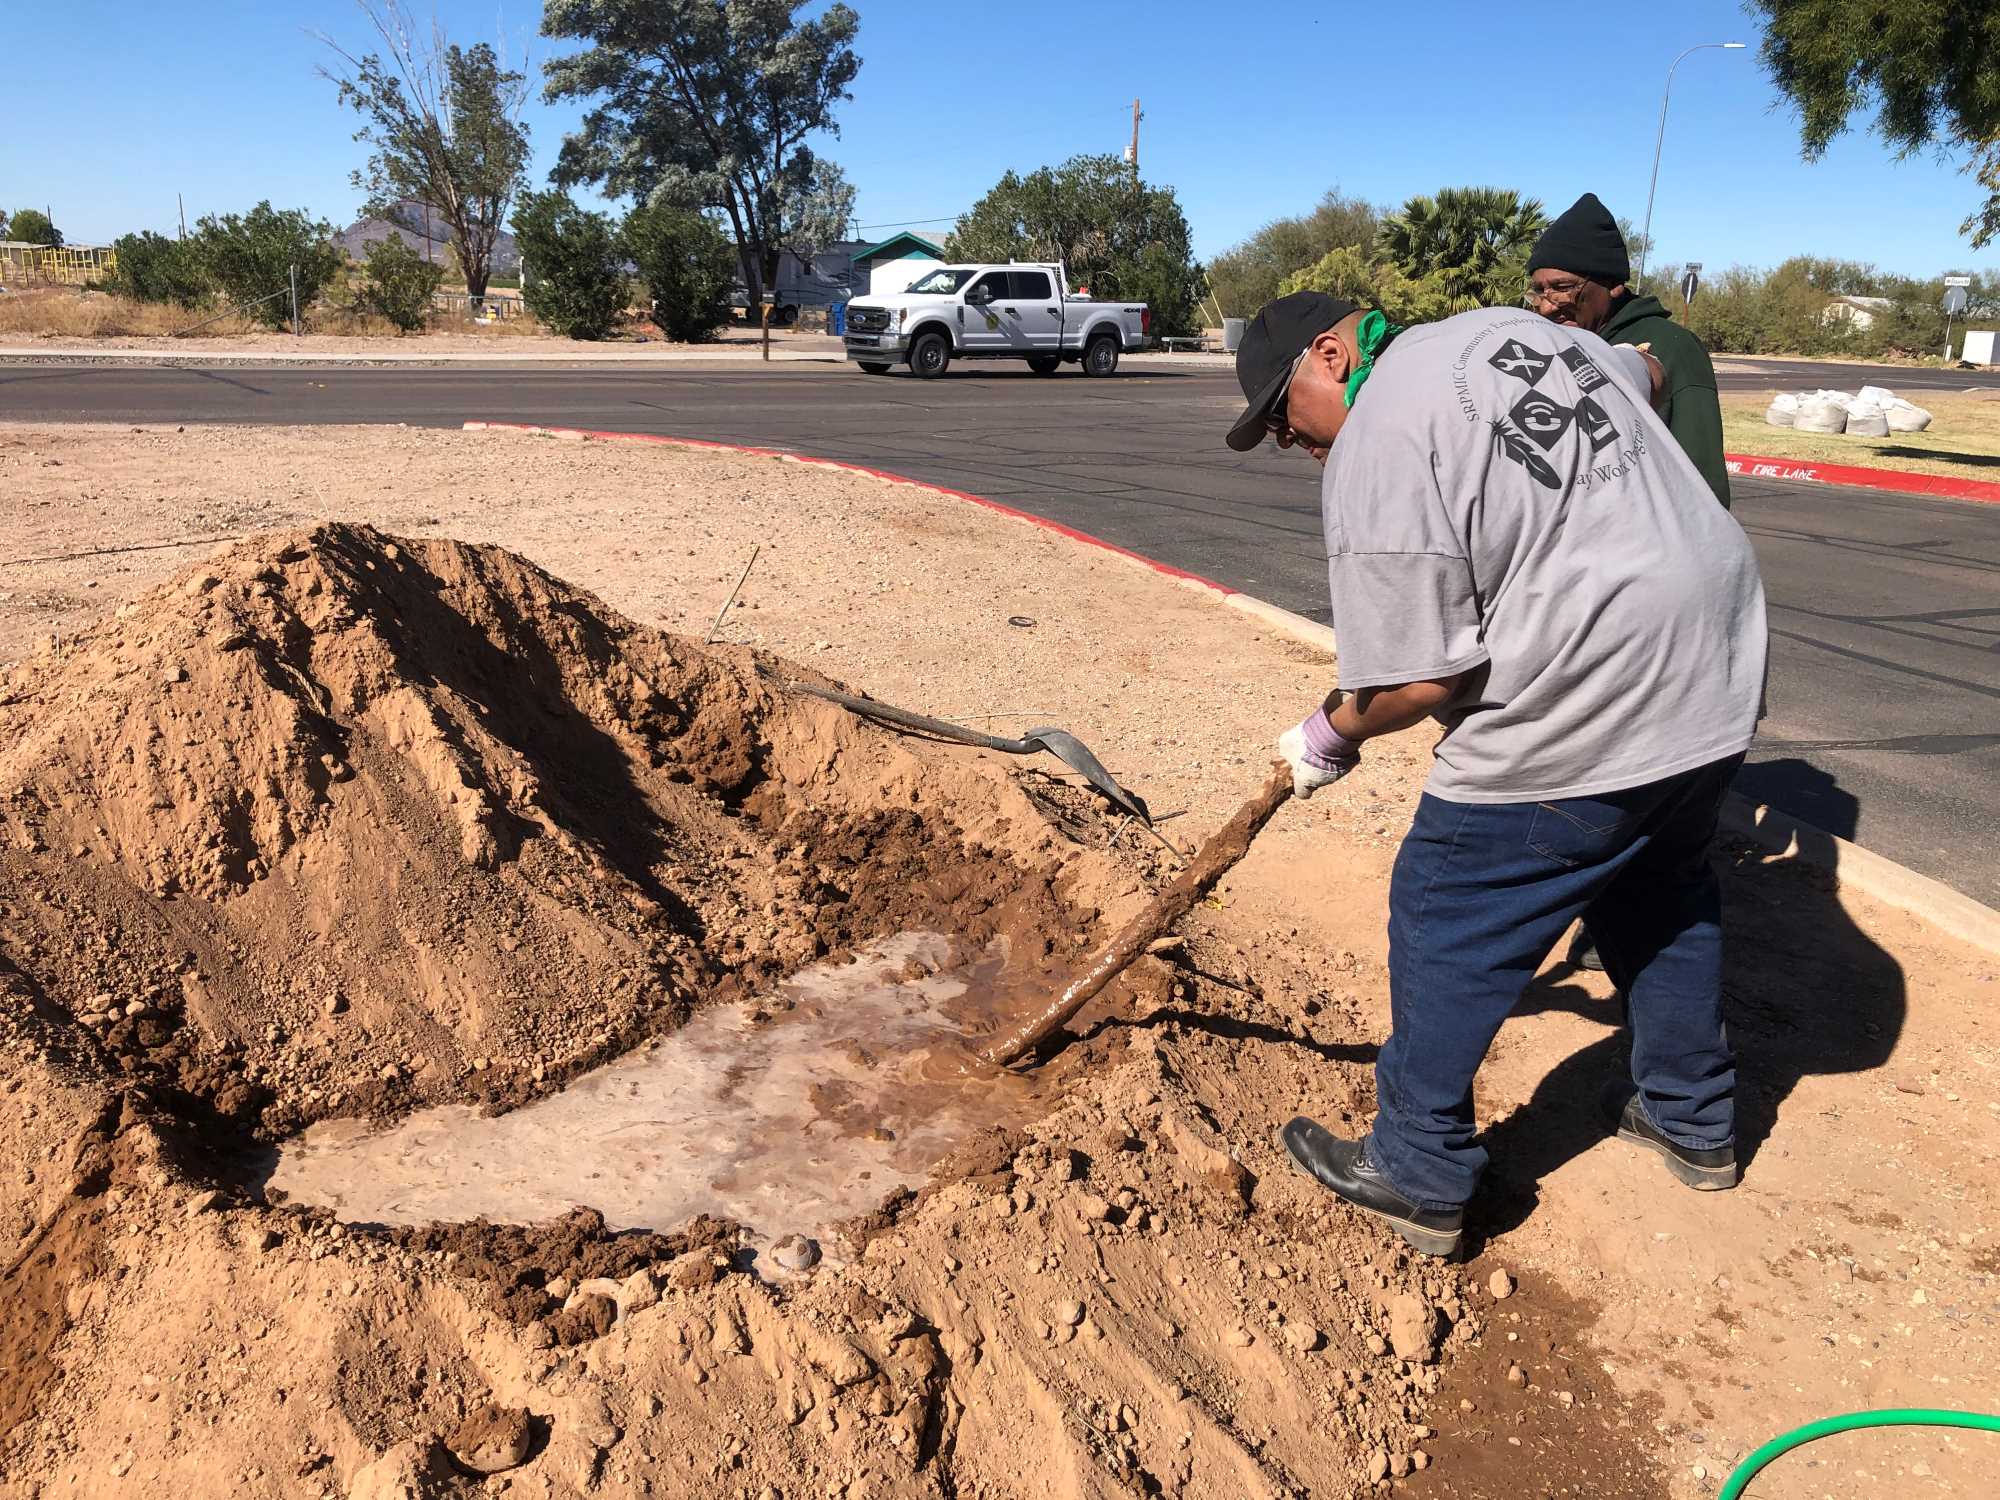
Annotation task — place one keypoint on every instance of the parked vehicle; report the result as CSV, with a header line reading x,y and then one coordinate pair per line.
x,y
802,285
1016,311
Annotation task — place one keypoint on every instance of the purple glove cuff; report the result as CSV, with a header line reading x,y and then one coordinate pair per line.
x,y
1327,749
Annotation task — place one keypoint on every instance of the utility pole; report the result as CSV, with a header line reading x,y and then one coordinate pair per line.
x,y
1132,154
181,207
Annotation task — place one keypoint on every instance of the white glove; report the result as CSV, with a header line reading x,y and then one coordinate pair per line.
x,y
1311,769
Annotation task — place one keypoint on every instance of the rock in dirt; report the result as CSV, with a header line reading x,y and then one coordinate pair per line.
x,y
795,1253
693,1272
1302,1336
1067,1312
415,1469
1413,1327
637,1292
492,1440
588,1317
1500,1286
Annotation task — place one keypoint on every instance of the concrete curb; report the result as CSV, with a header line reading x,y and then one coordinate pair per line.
x,y
1864,870
1853,476
1851,866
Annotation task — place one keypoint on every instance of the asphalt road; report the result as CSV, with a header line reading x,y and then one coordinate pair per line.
x,y
1885,609
1735,373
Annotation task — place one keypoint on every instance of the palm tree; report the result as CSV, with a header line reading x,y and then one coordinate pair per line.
x,y
1474,239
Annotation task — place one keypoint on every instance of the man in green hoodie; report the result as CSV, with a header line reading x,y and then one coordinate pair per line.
x,y
1576,276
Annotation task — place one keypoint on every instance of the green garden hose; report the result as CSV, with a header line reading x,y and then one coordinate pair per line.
x,y
1910,1416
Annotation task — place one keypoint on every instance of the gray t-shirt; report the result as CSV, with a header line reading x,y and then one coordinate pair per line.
x,y
1503,502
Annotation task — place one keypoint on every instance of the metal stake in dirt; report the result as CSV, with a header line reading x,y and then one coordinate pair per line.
x,y
295,303
766,309
709,639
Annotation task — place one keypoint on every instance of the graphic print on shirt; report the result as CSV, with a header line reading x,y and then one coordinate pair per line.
x,y
1586,375
1537,422
1517,359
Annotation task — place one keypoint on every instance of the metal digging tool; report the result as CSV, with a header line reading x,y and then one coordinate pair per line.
x,y
1060,743
1226,846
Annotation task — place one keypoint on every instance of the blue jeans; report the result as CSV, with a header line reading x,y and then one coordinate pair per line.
x,y
1480,895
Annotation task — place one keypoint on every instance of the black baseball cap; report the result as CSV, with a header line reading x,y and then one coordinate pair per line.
x,y
1270,352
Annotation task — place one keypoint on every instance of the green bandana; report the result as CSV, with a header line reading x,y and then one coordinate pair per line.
x,y
1371,338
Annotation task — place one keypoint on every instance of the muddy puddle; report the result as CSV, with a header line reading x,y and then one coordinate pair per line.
x,y
789,1114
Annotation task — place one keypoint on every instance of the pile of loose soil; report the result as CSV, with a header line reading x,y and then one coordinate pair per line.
x,y
338,823
335,823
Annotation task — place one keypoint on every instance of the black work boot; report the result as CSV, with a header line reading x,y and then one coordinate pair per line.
x,y
1343,1168
1583,952
1708,1171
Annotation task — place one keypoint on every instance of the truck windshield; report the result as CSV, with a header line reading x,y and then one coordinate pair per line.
x,y
943,281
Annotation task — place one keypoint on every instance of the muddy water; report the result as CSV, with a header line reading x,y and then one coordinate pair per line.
x,y
789,1114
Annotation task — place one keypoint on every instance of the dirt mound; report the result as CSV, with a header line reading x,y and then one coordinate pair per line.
x,y
341,824
336,823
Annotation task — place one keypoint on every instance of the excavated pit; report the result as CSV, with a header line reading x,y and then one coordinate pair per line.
x,y
339,826
791,1114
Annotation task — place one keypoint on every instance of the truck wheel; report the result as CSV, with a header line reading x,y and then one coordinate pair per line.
x,y
1044,364
930,356
784,317
1101,358
872,368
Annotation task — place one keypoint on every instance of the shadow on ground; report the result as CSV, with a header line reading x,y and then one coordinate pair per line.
x,y
1805,991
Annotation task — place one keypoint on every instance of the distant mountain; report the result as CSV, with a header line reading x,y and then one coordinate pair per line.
x,y
429,238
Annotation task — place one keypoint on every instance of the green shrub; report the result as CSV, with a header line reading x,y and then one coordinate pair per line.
x,y
153,268
686,265
1348,272
573,279
250,256
399,283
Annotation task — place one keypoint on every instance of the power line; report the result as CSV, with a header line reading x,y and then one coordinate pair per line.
x,y
898,223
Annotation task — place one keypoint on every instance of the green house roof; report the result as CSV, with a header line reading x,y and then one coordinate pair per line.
x,y
901,244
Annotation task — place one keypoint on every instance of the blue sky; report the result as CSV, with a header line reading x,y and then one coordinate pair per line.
x,y
1250,113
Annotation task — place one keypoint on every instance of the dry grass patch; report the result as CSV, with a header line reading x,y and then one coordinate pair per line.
x,y
71,313
62,312
1963,439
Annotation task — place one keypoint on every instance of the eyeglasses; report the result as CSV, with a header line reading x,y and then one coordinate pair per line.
x,y
1557,291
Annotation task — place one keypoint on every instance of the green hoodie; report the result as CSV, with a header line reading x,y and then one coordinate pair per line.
x,y
1692,410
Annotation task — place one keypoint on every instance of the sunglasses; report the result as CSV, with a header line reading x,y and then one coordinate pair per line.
x,y
1276,420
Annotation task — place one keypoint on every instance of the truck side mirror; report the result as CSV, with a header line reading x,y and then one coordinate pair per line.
x,y
979,296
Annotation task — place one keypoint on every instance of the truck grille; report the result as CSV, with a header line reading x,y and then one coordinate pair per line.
x,y
868,319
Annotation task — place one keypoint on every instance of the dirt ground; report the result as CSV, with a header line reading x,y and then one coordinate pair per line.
x,y
1963,439
1133,1295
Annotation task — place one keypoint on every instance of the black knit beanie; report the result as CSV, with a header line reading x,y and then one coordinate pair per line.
x,y
1584,241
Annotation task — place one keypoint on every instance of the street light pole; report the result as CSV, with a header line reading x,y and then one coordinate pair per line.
x,y
1660,140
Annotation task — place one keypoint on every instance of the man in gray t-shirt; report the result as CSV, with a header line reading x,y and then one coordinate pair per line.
x,y
1517,547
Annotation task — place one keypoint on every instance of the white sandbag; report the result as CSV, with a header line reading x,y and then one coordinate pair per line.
x,y
1783,410
1867,421
1907,416
1879,395
1817,414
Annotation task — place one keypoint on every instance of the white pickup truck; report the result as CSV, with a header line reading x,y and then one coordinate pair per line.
x,y
1015,311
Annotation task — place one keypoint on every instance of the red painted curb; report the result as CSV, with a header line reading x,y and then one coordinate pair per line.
x,y
884,474
1942,486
